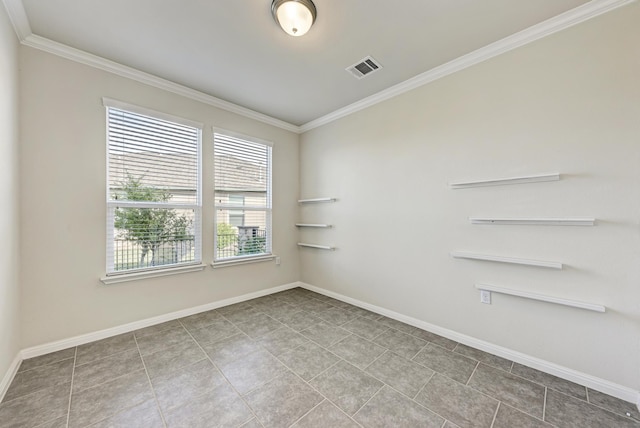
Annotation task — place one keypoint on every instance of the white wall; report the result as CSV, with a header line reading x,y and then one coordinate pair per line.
x,y
9,289
569,103
62,171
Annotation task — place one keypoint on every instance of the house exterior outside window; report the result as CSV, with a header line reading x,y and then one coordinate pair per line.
x,y
242,182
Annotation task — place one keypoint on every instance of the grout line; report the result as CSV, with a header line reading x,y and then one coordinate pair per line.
x,y
45,365
308,383
472,373
153,391
495,415
369,374
322,372
544,404
496,399
606,409
385,384
167,326
416,354
376,359
537,418
106,356
426,345
73,372
424,386
309,411
227,380
367,402
333,365
109,380
345,413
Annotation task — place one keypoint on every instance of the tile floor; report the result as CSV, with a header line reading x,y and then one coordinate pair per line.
x,y
295,359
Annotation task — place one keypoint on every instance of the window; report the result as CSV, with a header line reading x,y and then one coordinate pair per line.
x,y
236,217
153,190
242,175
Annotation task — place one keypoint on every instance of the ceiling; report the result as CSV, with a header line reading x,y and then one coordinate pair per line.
x,y
233,50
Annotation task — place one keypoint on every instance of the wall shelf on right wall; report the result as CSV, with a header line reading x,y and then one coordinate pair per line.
x,y
326,226
502,259
542,297
534,221
506,181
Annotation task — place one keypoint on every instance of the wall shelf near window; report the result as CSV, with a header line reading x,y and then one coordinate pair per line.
x,y
316,200
505,181
326,226
542,297
534,221
501,259
319,247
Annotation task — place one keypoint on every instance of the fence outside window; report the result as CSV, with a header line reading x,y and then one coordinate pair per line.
x,y
128,254
241,244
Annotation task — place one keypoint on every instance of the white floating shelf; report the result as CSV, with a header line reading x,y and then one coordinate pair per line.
x,y
501,259
535,221
510,180
313,225
316,200
319,247
541,297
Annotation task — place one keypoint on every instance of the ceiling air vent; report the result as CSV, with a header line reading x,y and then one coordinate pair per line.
x,y
363,68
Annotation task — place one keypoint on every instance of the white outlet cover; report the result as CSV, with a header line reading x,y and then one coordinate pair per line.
x,y
485,297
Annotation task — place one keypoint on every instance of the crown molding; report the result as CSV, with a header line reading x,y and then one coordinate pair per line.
x,y
592,9
95,61
18,17
553,25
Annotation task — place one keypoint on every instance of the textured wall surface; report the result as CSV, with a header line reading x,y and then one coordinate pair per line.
x,y
569,103
9,189
63,202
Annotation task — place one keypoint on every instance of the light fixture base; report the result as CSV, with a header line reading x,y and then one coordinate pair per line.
x,y
295,17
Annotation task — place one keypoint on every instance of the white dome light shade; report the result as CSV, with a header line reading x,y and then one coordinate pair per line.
x,y
294,16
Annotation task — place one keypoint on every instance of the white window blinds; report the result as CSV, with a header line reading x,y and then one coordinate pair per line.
x,y
242,180
153,195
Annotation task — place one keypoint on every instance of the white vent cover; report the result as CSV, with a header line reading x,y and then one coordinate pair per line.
x,y
364,67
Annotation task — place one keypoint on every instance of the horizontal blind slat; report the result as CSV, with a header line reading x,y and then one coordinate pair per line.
x,y
158,154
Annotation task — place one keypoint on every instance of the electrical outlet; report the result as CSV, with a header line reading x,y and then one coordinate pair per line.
x,y
485,297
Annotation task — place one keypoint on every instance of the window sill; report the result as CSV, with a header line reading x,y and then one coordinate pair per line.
x,y
242,261
124,277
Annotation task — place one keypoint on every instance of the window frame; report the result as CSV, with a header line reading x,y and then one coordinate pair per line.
x,y
114,276
268,208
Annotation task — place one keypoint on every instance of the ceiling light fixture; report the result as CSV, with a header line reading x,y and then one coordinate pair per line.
x,y
294,16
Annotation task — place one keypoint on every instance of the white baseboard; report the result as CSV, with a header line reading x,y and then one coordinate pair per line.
x,y
58,345
9,375
602,385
